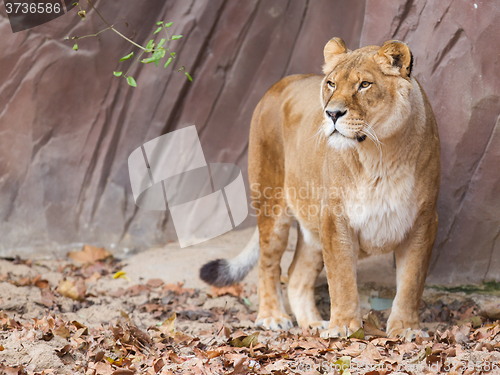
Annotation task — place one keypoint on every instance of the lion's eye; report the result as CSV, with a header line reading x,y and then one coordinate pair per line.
x,y
331,85
364,85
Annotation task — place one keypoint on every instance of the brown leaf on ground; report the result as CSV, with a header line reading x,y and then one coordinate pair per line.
x,y
102,368
60,329
168,326
137,289
7,370
239,365
89,254
48,298
123,371
64,350
155,283
352,350
23,281
177,288
40,283
93,278
233,290
74,289
120,292
371,352
372,330
159,365
245,341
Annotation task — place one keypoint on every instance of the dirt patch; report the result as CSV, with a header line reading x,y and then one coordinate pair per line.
x,y
108,316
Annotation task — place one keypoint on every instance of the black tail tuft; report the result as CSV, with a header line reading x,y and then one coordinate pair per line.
x,y
217,273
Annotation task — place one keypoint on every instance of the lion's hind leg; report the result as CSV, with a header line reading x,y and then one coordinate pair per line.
x,y
304,270
273,232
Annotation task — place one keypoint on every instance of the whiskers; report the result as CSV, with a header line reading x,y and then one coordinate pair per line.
x,y
370,133
319,134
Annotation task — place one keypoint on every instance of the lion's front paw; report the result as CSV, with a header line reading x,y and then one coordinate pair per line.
x,y
407,333
338,331
274,323
321,324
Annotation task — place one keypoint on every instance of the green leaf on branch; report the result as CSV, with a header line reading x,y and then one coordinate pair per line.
x,y
158,30
162,41
157,56
189,77
131,81
159,22
175,37
169,24
74,4
168,62
150,45
117,74
127,57
75,47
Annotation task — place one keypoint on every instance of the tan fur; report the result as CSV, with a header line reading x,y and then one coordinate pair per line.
x,y
351,197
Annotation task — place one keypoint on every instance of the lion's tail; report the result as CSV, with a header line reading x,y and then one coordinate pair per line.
x,y
223,272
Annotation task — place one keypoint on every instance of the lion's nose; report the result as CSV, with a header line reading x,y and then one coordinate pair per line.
x,y
335,115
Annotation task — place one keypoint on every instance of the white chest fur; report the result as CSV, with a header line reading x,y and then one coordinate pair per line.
x,y
382,210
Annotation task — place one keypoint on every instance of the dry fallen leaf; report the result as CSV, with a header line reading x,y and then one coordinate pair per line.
x,y
89,254
359,334
61,352
72,289
168,326
371,329
155,283
245,341
42,284
234,290
239,365
48,298
93,278
158,365
137,289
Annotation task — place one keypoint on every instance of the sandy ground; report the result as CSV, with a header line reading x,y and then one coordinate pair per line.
x,y
157,282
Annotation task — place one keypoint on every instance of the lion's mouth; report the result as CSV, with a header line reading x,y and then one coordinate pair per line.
x,y
358,137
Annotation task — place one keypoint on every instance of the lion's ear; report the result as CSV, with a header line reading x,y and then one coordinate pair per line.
x,y
398,56
333,49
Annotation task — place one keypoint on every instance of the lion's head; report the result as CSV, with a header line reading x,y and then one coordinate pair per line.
x,y
365,93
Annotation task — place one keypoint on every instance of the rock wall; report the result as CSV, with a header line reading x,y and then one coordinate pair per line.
x,y
455,45
67,125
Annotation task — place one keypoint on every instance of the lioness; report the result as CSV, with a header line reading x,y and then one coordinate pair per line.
x,y
354,157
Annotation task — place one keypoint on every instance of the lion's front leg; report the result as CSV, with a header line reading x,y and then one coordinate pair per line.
x,y
340,250
412,262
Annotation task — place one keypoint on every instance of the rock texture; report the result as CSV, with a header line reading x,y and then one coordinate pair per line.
x,y
67,125
455,45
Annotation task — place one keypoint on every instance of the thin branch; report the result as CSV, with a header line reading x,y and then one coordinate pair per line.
x,y
135,62
112,28
86,36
